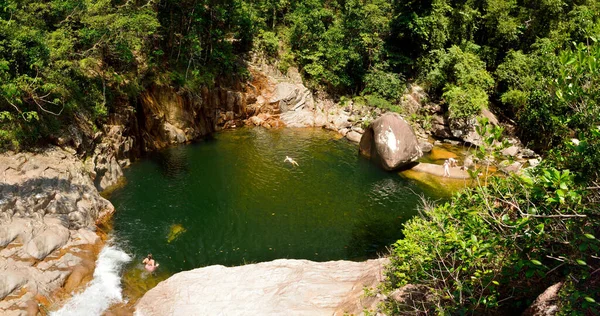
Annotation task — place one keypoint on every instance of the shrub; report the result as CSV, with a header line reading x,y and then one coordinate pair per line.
x,y
497,247
465,103
377,102
268,43
386,85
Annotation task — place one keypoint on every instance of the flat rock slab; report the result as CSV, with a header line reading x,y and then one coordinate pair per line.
x,y
438,170
280,287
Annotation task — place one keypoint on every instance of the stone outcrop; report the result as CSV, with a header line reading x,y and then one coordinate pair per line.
x,y
280,287
438,170
171,118
49,207
391,142
52,183
546,304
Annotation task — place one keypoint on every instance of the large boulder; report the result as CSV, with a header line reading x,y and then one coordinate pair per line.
x,y
280,287
391,142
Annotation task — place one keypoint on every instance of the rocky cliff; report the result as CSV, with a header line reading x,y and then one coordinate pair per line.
x,y
49,207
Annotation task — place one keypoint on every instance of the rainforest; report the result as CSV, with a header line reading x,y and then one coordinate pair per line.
x,y
115,86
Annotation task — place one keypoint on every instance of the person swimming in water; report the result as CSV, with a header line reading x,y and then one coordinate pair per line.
x,y
291,160
150,264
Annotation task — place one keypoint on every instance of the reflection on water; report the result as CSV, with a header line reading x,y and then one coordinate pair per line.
x,y
173,163
233,200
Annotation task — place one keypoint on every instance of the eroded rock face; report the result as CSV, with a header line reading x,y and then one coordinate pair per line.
x,y
53,183
391,142
280,287
174,117
48,207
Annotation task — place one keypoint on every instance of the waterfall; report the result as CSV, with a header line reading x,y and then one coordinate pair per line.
x,y
105,288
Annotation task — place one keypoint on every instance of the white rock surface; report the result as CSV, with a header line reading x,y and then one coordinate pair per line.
x,y
280,287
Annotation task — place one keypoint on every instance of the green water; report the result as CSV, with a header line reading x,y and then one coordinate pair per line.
x,y
238,202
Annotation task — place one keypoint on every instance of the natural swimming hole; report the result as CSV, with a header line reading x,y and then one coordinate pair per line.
x,y
232,200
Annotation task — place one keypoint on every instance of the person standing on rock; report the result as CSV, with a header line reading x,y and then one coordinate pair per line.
x,y
447,168
150,264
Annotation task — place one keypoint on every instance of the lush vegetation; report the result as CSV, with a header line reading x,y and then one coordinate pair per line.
x,y
66,56
493,248
535,63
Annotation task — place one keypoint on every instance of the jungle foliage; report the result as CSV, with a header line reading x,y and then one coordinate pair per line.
x,y
534,62
60,56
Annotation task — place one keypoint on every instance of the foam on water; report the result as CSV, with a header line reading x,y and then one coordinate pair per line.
x,y
105,288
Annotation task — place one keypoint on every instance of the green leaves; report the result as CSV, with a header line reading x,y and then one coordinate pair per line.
x,y
536,262
589,236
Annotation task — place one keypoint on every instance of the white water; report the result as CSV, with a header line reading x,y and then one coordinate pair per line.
x,y
105,288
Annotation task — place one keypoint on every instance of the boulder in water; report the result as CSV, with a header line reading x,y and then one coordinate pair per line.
x,y
391,142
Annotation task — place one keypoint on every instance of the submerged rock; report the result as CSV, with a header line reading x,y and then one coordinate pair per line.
x,y
391,142
175,231
280,287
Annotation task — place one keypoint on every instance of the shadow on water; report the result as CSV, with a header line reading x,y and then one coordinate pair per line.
x,y
172,162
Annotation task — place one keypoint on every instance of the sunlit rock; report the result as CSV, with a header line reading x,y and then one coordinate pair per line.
x,y
391,142
280,287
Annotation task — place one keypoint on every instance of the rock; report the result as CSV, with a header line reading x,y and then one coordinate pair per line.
x,y
410,105
293,287
546,303
358,129
426,146
452,142
354,136
10,282
12,229
510,151
390,141
42,196
52,238
528,153
534,162
299,118
472,137
440,127
468,162
512,168
409,295
82,273
292,97
492,119
438,170
257,121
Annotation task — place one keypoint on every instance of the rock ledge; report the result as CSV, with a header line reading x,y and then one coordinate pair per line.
x,y
280,287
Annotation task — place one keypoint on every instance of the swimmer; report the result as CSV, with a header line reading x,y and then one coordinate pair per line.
x,y
447,168
292,161
150,264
